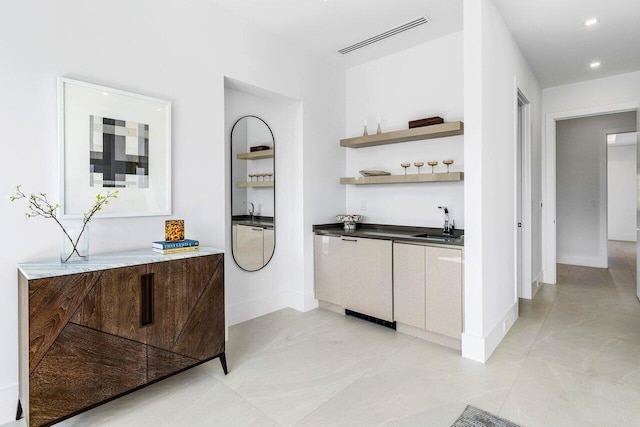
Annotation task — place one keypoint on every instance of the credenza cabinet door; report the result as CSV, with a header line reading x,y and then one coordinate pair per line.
x,y
188,323
88,342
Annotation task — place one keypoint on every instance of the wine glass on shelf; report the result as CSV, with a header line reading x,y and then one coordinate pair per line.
x,y
418,165
251,176
447,162
270,176
405,166
432,163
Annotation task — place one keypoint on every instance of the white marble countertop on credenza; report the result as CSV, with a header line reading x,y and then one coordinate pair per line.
x,y
52,268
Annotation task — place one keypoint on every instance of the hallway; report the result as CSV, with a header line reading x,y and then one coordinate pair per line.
x,y
583,368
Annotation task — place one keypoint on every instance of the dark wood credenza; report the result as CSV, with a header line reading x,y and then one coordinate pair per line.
x,y
123,322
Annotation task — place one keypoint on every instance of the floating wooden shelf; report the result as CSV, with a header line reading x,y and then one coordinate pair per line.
x,y
406,135
402,179
256,155
245,184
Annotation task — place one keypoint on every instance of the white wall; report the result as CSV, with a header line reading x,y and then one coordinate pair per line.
x,y
423,81
592,93
622,192
598,96
174,50
493,68
581,187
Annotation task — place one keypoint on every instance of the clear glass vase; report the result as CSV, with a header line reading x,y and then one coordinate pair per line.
x,y
75,246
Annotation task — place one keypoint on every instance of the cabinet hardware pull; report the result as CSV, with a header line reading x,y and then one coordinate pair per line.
x,y
349,240
257,229
146,315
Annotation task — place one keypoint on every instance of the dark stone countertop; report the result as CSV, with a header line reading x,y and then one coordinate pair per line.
x,y
398,233
258,221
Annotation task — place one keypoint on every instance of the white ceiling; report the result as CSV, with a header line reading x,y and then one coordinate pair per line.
x,y
324,27
550,33
560,48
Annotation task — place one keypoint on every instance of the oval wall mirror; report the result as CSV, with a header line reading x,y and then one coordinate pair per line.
x,y
252,193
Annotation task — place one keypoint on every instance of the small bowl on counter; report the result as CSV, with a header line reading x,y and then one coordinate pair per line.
x,y
349,221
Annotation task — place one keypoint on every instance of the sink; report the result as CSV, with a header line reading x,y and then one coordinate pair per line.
x,y
438,237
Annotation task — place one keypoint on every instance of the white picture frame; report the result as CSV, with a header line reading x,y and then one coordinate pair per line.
x,y
110,139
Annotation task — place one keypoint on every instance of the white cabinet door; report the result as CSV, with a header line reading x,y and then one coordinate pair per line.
x,y
444,291
250,247
367,285
409,284
327,268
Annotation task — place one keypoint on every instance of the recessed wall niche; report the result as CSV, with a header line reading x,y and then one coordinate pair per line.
x,y
254,293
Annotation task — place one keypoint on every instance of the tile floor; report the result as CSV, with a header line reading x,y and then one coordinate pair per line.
x,y
571,359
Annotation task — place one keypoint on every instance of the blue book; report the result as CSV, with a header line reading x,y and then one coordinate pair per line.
x,y
165,244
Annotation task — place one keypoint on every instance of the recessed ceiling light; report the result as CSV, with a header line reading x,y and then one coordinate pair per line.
x,y
595,64
591,21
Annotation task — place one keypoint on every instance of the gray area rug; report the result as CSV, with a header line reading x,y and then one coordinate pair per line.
x,y
474,417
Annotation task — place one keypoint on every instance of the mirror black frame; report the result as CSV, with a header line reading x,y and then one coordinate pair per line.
x,y
273,139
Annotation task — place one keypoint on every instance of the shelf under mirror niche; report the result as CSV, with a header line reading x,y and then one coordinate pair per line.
x,y
404,179
255,155
254,184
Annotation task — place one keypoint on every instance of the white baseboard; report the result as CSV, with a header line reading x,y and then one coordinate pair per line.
x,y
310,301
8,403
472,347
428,336
623,237
254,308
534,287
586,261
481,348
536,284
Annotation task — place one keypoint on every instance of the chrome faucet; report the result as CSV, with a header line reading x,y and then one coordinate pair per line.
x,y
251,209
447,228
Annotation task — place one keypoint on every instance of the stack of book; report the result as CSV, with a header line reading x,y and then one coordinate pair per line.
x,y
176,246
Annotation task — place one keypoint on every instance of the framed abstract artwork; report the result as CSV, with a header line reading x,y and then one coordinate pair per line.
x,y
111,139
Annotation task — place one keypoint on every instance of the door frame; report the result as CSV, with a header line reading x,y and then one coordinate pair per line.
x,y
523,274
549,175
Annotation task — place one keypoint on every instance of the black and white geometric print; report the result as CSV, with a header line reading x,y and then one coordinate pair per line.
x,y
119,153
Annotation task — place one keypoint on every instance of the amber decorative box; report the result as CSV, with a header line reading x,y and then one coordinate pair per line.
x,y
174,230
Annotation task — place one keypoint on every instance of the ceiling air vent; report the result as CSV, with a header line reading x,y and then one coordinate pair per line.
x,y
392,32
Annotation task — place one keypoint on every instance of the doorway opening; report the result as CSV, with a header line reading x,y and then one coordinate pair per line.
x,y
622,188
553,223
